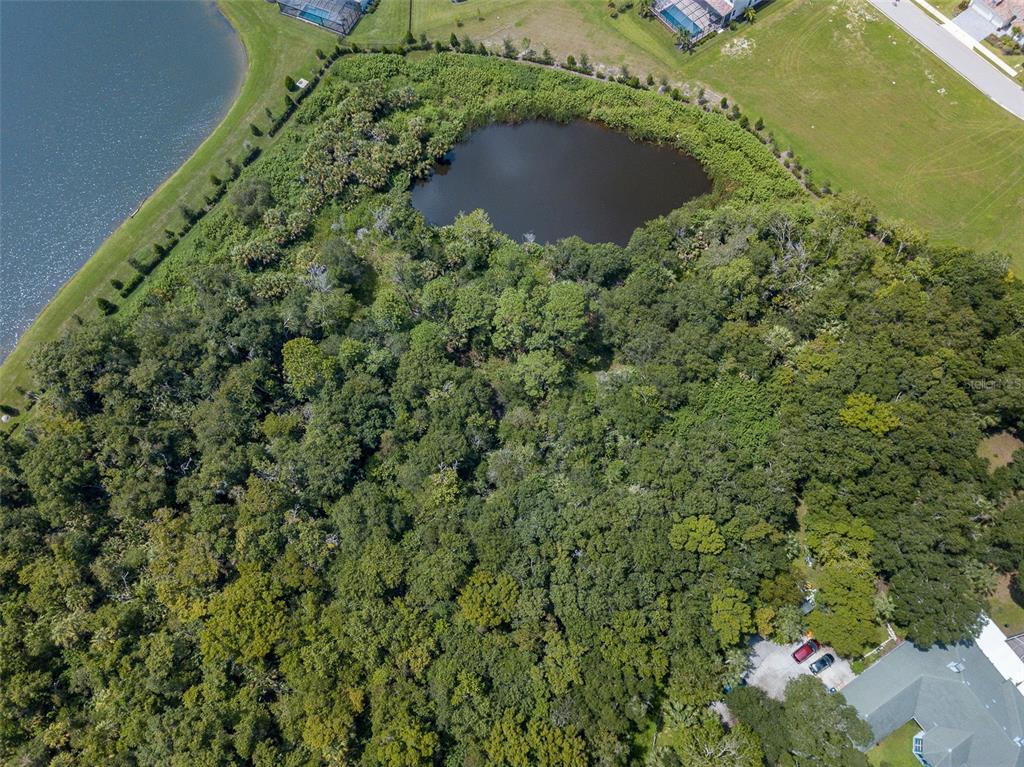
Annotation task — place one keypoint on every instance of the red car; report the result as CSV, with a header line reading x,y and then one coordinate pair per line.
x,y
806,650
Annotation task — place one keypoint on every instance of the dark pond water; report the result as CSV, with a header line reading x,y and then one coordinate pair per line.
x,y
555,180
99,102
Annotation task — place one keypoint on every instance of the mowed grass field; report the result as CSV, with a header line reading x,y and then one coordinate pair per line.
x,y
275,47
861,104
564,26
867,108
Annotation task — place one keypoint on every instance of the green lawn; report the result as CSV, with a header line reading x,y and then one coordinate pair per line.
x,y
948,8
895,751
275,46
1006,610
873,112
861,104
564,26
387,25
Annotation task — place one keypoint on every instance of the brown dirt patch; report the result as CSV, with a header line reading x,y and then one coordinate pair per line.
x,y
998,449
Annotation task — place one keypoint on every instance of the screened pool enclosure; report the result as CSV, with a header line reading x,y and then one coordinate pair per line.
x,y
338,16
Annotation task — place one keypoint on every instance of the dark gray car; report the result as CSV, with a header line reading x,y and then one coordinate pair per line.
x,y
822,663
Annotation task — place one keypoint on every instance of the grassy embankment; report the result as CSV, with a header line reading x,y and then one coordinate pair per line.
x,y
859,101
276,47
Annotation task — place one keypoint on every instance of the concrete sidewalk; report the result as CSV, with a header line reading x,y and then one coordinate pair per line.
x,y
955,53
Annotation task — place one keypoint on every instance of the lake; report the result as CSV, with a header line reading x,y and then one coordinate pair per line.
x,y
553,180
101,101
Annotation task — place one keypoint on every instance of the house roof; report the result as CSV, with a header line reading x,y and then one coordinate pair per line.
x,y
1016,643
1007,10
722,7
970,717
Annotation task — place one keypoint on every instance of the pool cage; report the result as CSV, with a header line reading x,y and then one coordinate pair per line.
x,y
338,16
698,17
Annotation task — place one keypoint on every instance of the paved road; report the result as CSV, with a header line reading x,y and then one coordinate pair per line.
x,y
980,73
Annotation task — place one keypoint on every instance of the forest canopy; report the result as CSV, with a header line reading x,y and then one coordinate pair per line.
x,y
344,488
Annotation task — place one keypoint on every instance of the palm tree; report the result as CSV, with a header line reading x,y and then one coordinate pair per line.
x,y
684,39
750,14
644,8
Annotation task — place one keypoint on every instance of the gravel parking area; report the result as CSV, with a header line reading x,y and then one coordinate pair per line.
x,y
772,666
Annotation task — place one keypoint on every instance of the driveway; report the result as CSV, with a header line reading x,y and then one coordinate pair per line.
x,y
973,23
772,667
946,45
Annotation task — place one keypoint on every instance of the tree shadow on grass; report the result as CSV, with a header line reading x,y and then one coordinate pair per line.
x,y
1016,589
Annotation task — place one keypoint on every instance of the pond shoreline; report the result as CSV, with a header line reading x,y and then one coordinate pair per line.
x,y
546,180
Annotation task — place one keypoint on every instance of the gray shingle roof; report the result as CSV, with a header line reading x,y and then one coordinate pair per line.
x,y
970,718
947,746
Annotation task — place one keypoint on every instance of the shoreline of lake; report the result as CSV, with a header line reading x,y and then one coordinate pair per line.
x,y
43,258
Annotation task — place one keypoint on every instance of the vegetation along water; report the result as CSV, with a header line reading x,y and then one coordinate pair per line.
x,y
102,101
337,486
547,181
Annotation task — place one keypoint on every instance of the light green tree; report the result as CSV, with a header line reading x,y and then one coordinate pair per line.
x,y
305,366
864,411
731,616
246,619
488,601
515,742
514,320
845,615
697,535
537,372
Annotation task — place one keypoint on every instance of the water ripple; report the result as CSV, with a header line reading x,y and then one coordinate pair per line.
x,y
101,101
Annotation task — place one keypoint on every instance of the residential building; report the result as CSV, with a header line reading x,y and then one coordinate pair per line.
x,y
1005,16
701,17
338,16
968,712
1003,653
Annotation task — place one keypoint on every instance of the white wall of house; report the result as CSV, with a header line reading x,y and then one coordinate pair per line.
x,y
992,642
995,19
740,6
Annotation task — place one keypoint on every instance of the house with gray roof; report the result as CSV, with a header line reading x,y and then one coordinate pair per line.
x,y
987,17
1004,14
969,714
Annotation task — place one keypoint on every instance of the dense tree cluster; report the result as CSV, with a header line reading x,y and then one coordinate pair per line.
x,y
812,728
349,489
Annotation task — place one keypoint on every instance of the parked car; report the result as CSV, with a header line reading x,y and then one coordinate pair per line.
x,y
806,650
822,663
